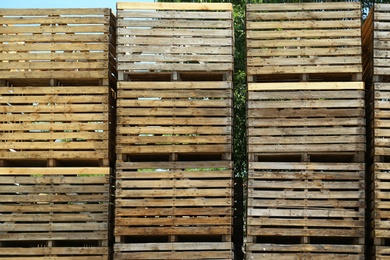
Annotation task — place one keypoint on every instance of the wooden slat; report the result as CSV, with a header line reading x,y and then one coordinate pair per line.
x,y
176,250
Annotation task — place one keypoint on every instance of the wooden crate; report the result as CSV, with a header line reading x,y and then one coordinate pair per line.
x,y
56,213
305,208
174,251
376,33
176,199
182,37
174,117
306,117
379,119
57,43
321,40
57,122
380,209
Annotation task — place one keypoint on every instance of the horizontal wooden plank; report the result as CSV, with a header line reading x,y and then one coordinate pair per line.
x,y
189,202
175,6
305,131
174,149
306,86
331,69
179,211
308,24
54,170
54,227
68,20
175,85
307,166
57,217
157,192
95,235
53,11
62,251
185,140
303,6
174,165
96,154
358,233
121,230
302,195
326,248
181,246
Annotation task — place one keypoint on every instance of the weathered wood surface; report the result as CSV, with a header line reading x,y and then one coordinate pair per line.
x,y
378,32
57,43
304,251
61,214
174,117
61,122
306,199
157,37
174,198
311,117
174,251
379,120
380,201
303,38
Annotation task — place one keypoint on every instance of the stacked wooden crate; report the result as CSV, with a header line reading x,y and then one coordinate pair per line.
x,y
57,77
377,76
174,176
306,131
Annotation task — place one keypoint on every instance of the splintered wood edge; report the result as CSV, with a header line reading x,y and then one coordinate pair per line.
x,y
175,6
54,170
306,86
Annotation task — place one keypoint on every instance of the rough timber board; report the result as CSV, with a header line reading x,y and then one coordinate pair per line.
x,y
38,43
174,251
380,35
312,45
304,251
326,117
174,37
311,200
380,197
60,122
174,117
380,115
174,198
49,212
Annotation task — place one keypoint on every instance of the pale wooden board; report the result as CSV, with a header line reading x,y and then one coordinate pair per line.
x,y
295,38
39,43
187,201
177,250
175,37
300,248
